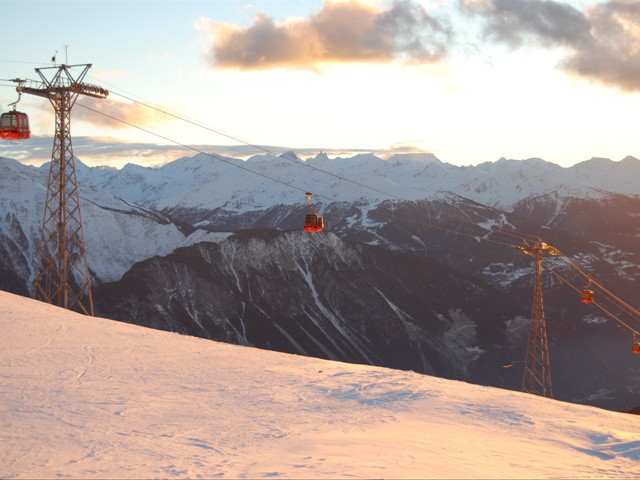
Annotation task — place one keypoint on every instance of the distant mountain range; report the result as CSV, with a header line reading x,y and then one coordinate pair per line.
x,y
416,269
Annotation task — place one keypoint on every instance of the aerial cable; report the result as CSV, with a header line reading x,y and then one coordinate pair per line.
x,y
263,149
598,304
257,147
476,236
600,286
306,165
25,62
498,231
189,147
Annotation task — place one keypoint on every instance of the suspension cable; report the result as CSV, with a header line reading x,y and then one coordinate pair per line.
x,y
332,199
598,304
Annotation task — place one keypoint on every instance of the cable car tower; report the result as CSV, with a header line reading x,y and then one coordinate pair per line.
x,y
62,272
537,372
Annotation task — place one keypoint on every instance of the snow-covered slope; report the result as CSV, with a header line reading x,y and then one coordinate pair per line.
x,y
91,398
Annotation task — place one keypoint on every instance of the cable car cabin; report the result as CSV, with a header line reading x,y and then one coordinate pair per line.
x,y
635,347
14,126
313,222
586,296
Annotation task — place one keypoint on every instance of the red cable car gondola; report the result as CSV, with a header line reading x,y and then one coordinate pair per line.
x,y
586,296
312,221
635,347
14,125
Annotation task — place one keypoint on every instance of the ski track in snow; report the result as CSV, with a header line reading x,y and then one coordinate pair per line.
x,y
85,397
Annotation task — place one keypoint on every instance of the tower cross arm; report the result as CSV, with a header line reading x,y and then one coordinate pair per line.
x,y
89,90
539,247
42,90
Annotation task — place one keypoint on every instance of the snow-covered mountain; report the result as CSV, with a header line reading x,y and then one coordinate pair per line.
x,y
426,213
119,233
93,398
210,181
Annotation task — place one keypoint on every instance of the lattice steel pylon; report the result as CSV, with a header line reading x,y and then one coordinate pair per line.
x,y
537,370
62,272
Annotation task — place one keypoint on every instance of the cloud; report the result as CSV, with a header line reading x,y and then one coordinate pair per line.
x,y
113,114
347,31
612,57
601,43
96,151
113,152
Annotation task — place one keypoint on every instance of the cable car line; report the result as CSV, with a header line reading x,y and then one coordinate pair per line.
x,y
598,304
189,147
24,62
295,160
305,164
612,298
147,104
265,150
601,287
476,236
523,237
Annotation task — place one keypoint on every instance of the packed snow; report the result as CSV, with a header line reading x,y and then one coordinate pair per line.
x,y
84,397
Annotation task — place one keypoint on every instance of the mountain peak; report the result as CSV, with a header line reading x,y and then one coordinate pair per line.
x,y
290,154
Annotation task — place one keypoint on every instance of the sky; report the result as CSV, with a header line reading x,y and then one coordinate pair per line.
x,y
85,397
471,81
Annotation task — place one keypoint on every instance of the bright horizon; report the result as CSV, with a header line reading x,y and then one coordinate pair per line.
x,y
470,81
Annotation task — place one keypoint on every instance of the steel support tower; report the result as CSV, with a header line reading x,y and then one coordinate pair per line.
x,y
537,370
62,272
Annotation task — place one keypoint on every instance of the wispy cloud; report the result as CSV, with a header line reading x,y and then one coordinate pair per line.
x,y
112,152
347,31
113,114
601,43
94,151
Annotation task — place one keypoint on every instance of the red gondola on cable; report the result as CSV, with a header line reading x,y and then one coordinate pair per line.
x,y
312,221
14,125
586,296
635,347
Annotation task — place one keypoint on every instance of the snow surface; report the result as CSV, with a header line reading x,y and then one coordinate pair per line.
x,y
94,398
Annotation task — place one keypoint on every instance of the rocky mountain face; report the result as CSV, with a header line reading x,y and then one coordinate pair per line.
x,y
321,296
416,269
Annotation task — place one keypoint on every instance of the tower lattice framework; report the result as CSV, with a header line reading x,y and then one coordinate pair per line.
x,y
537,369
62,274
